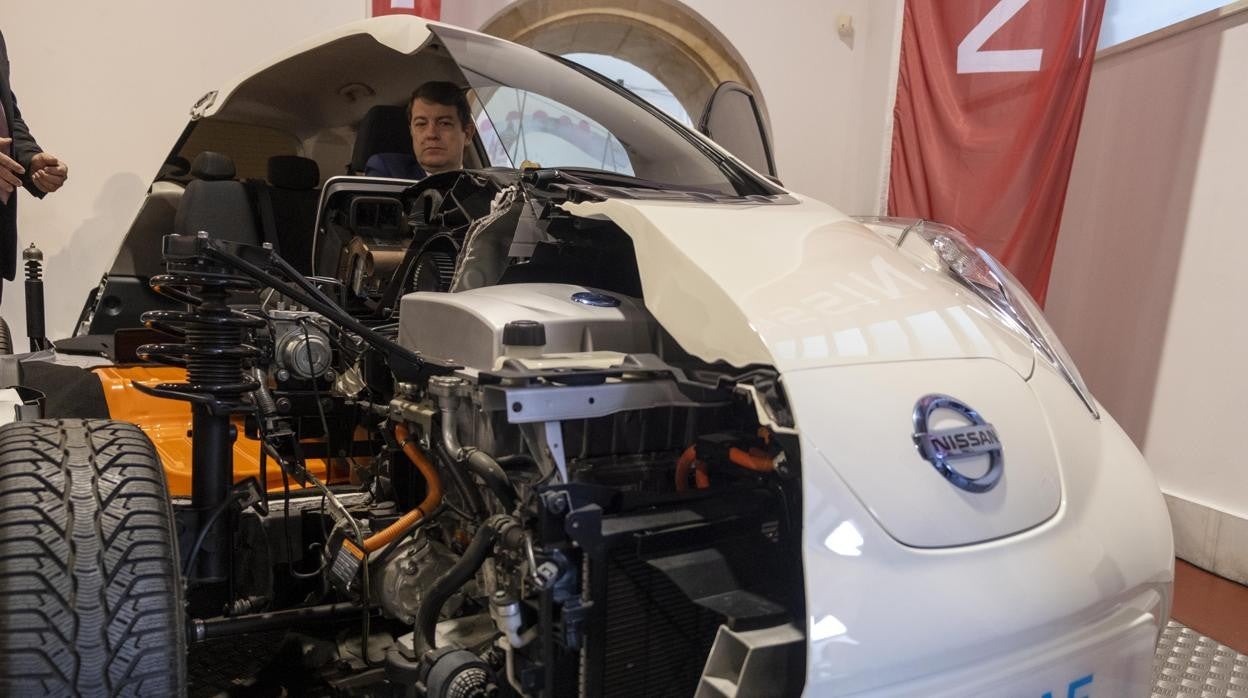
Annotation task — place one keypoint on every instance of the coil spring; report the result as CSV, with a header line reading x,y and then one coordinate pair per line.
x,y
214,351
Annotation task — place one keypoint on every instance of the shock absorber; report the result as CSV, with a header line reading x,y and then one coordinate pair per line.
x,y
33,257
213,353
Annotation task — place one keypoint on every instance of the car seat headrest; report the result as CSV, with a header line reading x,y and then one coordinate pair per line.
x,y
382,130
293,172
212,166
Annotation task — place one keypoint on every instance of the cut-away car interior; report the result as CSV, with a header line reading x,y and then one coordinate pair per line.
x,y
421,437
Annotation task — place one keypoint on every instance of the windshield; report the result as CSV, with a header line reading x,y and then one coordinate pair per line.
x,y
534,111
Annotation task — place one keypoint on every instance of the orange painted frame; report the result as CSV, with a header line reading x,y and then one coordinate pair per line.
x,y
168,424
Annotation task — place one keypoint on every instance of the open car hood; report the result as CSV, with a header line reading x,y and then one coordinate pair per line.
x,y
799,286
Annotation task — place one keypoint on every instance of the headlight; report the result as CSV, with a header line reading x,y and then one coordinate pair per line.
x,y
988,278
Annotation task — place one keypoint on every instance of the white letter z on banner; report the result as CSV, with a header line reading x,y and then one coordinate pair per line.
x,y
972,60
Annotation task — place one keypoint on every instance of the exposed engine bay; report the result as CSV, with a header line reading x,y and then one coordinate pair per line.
x,y
499,475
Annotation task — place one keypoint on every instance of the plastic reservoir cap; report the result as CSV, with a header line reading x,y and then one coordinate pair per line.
x,y
524,333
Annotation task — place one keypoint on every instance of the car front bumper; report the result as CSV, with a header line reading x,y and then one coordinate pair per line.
x,y
1085,592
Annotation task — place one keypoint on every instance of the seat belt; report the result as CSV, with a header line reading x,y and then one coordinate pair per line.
x,y
264,203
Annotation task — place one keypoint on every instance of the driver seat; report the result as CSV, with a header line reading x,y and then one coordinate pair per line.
x,y
382,131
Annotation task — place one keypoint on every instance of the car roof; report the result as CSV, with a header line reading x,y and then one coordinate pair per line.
x,y
332,79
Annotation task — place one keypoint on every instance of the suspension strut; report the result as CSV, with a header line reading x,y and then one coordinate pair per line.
x,y
33,258
213,354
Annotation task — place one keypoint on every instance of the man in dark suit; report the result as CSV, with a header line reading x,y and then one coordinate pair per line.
x,y
441,125
22,164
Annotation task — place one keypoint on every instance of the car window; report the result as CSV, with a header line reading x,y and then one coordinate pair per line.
x,y
540,130
733,120
249,146
537,108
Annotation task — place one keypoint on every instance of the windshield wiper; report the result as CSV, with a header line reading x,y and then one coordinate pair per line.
x,y
542,177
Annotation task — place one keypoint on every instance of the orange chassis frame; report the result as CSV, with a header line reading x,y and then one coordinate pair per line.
x,y
168,424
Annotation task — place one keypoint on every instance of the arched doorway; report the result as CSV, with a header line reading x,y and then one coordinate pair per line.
x,y
662,39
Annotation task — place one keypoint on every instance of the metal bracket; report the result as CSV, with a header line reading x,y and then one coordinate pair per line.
x,y
553,433
525,405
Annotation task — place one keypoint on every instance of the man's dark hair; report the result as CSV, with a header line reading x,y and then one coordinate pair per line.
x,y
445,93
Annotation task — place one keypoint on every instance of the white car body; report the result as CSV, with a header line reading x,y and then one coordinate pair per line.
x,y
1062,572
1057,582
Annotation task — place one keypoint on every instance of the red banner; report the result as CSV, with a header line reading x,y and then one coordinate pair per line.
x,y
429,9
989,103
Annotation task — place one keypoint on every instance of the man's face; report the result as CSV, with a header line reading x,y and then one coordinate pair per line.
x,y
438,137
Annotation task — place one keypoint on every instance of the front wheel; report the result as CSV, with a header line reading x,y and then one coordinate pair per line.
x,y
90,591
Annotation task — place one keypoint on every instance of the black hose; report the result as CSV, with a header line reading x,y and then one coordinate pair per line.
x,y
451,581
517,460
468,490
488,469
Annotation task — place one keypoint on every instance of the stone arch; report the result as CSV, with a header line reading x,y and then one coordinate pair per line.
x,y
662,37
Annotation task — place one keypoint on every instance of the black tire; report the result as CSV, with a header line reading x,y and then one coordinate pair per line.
x,y
90,590
6,338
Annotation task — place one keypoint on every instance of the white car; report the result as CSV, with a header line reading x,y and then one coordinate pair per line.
x,y
606,413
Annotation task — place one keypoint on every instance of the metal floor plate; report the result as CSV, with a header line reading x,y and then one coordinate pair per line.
x,y
1190,665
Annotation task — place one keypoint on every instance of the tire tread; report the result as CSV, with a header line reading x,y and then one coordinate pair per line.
x,y
91,600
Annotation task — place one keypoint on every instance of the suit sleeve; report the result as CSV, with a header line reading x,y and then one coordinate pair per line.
x,y
24,148
24,145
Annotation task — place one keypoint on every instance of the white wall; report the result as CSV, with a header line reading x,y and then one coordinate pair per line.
x,y
828,97
1148,284
107,86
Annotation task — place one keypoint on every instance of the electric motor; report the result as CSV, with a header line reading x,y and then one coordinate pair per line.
x,y
301,346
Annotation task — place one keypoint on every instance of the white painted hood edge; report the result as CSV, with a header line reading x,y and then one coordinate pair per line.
x,y
799,286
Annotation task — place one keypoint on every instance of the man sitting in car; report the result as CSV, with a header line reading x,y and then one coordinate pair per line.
x,y
441,124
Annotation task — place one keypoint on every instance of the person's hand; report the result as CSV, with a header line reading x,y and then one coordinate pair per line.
x,y
11,171
49,172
